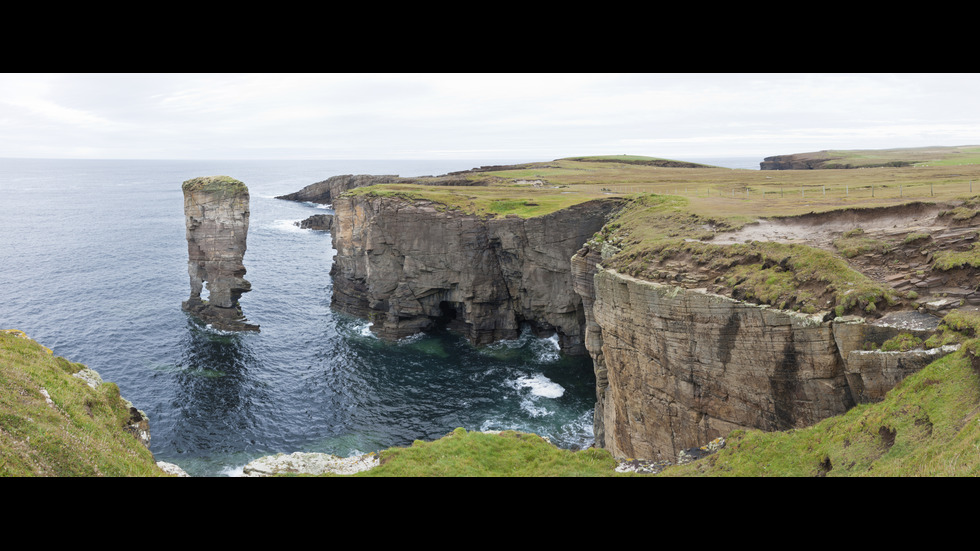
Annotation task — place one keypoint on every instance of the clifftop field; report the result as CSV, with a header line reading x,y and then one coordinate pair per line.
x,y
711,191
820,240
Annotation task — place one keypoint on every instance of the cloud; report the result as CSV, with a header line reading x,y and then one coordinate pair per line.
x,y
487,114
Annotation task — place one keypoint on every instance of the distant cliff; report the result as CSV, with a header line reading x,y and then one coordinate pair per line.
x,y
871,158
823,160
324,192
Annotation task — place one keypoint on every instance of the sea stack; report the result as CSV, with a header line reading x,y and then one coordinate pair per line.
x,y
216,213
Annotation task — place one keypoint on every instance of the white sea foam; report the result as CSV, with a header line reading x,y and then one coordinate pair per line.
x,y
541,386
365,330
411,339
533,409
287,226
547,350
544,350
232,471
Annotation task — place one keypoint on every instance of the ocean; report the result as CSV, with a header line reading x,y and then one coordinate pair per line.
x,y
93,264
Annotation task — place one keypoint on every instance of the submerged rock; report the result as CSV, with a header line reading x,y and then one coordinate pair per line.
x,y
216,211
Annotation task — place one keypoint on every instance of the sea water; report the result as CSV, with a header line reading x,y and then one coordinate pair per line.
x,y
93,264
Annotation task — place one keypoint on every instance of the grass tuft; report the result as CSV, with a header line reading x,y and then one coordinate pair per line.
x,y
508,453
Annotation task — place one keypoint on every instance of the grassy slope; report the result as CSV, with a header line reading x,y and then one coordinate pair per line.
x,y
928,425
510,453
79,434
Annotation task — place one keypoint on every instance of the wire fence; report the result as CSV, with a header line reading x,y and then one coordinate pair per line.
x,y
918,190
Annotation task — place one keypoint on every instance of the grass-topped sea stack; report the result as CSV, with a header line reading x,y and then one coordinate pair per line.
x,y
216,213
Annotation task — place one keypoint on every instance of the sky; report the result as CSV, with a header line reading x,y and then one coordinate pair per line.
x,y
492,116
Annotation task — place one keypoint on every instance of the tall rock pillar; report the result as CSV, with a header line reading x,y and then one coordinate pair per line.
x,y
216,213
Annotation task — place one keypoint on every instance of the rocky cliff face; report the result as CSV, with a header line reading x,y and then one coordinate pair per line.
x,y
677,368
820,160
802,161
319,222
216,211
410,265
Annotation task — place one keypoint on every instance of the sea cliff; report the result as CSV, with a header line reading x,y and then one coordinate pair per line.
x,y
409,265
698,325
676,366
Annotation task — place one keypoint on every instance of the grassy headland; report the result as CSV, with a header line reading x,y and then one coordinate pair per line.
x,y
54,424
673,213
865,158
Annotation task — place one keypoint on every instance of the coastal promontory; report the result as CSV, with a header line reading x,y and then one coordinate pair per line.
x,y
711,300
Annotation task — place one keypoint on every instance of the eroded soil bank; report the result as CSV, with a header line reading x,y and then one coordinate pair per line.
x,y
896,246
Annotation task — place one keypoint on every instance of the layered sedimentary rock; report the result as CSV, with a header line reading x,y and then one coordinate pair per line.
x,y
677,368
216,211
410,265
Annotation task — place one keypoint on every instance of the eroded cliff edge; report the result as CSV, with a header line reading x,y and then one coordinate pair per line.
x,y
680,360
684,347
409,265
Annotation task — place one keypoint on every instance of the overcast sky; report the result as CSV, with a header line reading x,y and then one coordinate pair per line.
x,y
478,116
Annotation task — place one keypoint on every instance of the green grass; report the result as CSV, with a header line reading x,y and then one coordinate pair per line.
x,y
654,229
934,156
215,184
951,260
487,201
902,342
928,425
80,434
853,243
509,453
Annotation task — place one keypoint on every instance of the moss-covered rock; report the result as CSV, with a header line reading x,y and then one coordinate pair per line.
x,y
215,184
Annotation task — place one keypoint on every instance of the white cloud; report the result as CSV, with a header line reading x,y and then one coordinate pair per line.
x,y
489,115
